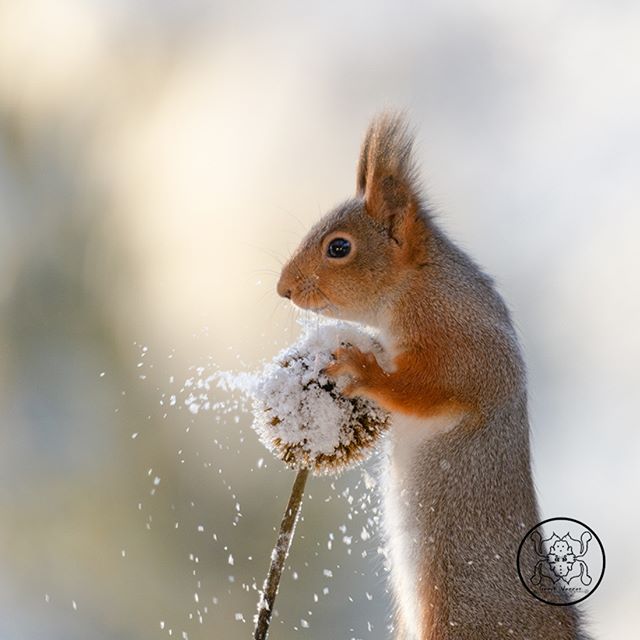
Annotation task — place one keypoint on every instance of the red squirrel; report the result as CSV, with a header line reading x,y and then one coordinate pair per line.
x,y
458,492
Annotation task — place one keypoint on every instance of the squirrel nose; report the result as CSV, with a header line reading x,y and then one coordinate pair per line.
x,y
283,289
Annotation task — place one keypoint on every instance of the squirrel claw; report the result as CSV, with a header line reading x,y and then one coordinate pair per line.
x,y
335,369
351,390
361,367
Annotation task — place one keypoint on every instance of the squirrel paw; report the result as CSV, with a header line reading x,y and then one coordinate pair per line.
x,y
362,368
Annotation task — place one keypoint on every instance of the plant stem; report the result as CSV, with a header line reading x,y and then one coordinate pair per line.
x,y
279,555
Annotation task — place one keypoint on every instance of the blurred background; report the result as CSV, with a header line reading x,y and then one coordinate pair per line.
x,y
159,159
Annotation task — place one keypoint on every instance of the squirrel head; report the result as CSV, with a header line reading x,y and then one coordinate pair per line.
x,y
357,257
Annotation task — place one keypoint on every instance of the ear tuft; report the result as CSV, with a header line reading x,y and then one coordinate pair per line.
x,y
387,177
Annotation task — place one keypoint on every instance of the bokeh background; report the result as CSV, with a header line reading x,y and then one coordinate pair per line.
x,y
159,159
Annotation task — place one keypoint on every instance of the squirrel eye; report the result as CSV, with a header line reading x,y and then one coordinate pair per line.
x,y
338,248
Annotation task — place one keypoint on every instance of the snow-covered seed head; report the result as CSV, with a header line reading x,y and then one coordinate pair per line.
x,y
300,414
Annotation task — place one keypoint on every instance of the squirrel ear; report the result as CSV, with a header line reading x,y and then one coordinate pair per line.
x,y
386,176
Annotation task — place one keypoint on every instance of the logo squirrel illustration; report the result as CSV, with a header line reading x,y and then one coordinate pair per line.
x,y
457,485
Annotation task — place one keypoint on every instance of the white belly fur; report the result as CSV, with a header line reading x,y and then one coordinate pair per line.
x,y
407,435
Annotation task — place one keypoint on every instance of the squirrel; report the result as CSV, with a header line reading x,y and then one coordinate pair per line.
x,y
458,493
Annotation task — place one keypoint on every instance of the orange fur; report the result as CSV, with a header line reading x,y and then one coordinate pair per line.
x,y
405,389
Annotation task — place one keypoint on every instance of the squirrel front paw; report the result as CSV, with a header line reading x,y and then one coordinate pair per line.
x,y
361,367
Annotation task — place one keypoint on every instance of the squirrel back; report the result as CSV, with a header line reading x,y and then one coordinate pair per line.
x,y
458,491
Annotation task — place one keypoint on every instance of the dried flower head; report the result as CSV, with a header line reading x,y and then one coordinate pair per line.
x,y
299,413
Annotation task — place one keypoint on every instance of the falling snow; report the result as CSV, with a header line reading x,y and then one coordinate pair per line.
x,y
359,520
